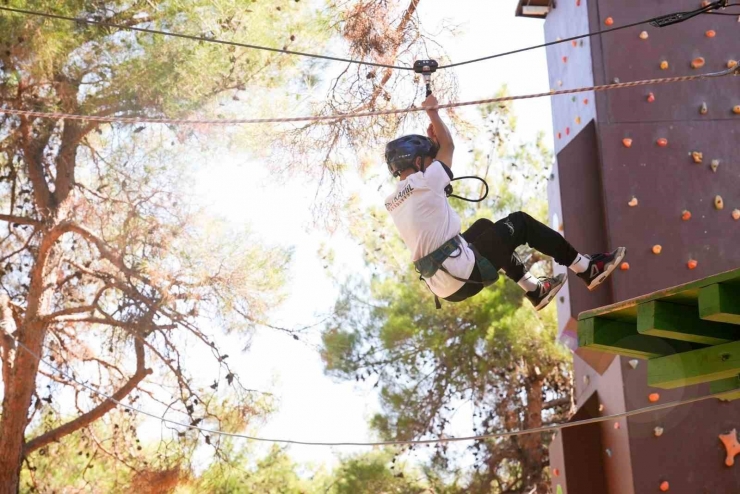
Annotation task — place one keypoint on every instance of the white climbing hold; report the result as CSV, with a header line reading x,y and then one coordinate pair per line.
x,y
634,363
658,431
608,452
586,380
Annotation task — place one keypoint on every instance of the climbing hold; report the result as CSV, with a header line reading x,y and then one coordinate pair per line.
x,y
731,445
567,131
560,135
698,63
658,431
692,263
644,35
736,215
556,472
719,203
625,266
608,452
578,120
634,363
565,59
633,202
609,21
703,109
686,215
585,101
705,3
657,249
586,380
662,142
714,165
653,397
560,83
650,98
574,43
664,65
731,64
665,486
736,110
627,142
616,80
601,407
711,33
616,425
697,156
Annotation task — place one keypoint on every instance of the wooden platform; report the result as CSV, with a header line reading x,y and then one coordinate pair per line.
x,y
689,334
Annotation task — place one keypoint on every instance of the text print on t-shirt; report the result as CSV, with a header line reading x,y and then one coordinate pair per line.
x,y
402,195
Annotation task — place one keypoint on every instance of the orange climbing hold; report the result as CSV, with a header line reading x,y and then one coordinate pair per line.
x,y
731,64
697,156
565,59
585,101
609,21
556,472
686,215
692,264
657,249
731,445
627,142
736,110
662,142
664,65
653,397
574,43
644,35
650,98
665,486
633,202
736,215
711,33
698,63
625,266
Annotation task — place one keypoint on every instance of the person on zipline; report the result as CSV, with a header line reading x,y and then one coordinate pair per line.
x,y
457,266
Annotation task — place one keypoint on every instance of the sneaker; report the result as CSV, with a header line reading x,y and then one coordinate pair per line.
x,y
549,287
601,266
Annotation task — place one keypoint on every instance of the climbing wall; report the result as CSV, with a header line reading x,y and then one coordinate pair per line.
x,y
655,169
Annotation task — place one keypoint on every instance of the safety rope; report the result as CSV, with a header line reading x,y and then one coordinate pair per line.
x,y
686,15
339,116
496,435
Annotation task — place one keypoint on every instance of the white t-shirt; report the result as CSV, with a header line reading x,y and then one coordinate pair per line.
x,y
425,220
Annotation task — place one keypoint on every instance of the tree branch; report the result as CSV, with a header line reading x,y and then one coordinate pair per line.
x,y
21,220
96,413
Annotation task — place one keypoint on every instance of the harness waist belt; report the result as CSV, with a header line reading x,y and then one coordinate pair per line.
x,y
428,265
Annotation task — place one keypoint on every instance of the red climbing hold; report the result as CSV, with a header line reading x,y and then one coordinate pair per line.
x,y
627,142
653,397
565,59
662,142
625,266
609,21
650,98
686,215
567,131
731,445
692,264
585,101
698,63
711,33
616,425
556,472
665,486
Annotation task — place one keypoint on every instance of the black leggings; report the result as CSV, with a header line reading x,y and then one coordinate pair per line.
x,y
498,241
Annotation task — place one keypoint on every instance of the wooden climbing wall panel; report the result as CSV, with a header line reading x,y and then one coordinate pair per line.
x,y
690,334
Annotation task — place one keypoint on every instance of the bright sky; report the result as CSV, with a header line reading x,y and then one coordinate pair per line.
x,y
313,406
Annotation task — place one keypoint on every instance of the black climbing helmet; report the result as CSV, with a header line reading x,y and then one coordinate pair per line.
x,y
401,154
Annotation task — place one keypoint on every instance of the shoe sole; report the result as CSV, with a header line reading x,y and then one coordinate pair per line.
x,y
543,303
621,252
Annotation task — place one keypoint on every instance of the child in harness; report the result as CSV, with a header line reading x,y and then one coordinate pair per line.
x,y
456,265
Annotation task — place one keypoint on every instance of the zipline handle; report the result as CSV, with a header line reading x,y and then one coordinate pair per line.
x,y
448,189
675,18
426,68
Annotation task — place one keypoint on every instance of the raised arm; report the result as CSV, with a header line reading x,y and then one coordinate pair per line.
x,y
439,132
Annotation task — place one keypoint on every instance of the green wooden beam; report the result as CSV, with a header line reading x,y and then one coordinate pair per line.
x,y
698,366
620,338
681,322
730,385
720,303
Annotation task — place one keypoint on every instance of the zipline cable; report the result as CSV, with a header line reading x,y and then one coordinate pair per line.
x,y
679,17
497,435
176,121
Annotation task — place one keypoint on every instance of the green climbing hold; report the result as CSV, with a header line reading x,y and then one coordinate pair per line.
x,y
560,490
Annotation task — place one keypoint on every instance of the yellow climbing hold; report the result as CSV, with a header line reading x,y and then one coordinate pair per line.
x,y
697,156
664,65
578,120
719,203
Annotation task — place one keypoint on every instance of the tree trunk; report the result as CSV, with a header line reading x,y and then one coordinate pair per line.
x,y
16,403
